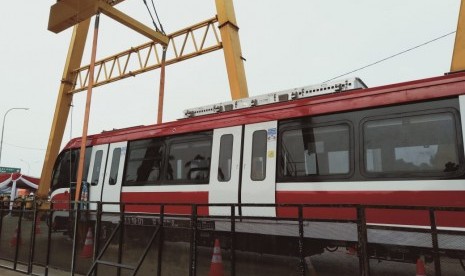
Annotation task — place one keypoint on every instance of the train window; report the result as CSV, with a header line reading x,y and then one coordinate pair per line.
x,y
86,163
144,164
114,166
225,159
315,151
258,167
418,144
189,161
97,167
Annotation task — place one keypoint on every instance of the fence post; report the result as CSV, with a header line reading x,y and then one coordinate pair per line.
x,y
301,241
33,239
161,239
193,245
1,218
233,240
97,230
121,237
77,217
364,262
18,233
435,243
49,238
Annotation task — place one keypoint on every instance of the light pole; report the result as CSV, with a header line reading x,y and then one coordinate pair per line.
x,y
3,128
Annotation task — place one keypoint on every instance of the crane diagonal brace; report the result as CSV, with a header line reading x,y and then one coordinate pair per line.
x,y
67,13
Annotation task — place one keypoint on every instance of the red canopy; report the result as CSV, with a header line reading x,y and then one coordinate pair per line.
x,y
12,181
18,181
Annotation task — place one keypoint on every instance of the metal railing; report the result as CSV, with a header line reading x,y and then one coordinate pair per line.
x,y
299,217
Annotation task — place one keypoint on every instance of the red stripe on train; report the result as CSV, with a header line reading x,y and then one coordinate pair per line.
x,y
392,216
61,201
188,198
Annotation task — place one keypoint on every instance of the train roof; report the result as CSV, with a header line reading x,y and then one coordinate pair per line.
x,y
419,90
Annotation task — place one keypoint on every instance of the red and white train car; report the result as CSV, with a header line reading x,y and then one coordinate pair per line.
x,y
337,143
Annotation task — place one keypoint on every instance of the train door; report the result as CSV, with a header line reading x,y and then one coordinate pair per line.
x,y
96,172
113,177
259,168
225,169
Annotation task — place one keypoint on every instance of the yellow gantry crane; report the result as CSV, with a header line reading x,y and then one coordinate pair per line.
x,y
77,78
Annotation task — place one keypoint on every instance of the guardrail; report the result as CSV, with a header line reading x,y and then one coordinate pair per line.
x,y
300,229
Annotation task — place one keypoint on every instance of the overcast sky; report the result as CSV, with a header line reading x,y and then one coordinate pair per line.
x,y
286,44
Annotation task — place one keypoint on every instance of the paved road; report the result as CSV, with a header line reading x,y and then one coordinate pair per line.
x,y
7,272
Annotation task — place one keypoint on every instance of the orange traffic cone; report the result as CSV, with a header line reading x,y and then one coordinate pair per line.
x,y
87,251
37,230
216,268
16,240
421,271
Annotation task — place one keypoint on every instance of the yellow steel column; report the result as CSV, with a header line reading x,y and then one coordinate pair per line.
x,y
232,49
458,57
73,61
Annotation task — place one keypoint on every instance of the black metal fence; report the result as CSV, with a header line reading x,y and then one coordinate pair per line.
x,y
301,241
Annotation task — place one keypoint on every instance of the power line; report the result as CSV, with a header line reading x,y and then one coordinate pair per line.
x,y
392,56
21,147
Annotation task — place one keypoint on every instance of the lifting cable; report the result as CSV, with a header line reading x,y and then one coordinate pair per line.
x,y
161,93
158,18
151,16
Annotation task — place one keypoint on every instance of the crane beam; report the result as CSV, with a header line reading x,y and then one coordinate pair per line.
x,y
232,49
184,44
130,22
67,13
458,56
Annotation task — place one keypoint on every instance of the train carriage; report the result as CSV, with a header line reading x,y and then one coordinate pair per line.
x,y
335,143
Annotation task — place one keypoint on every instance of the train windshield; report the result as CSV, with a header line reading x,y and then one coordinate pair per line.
x,y
66,167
